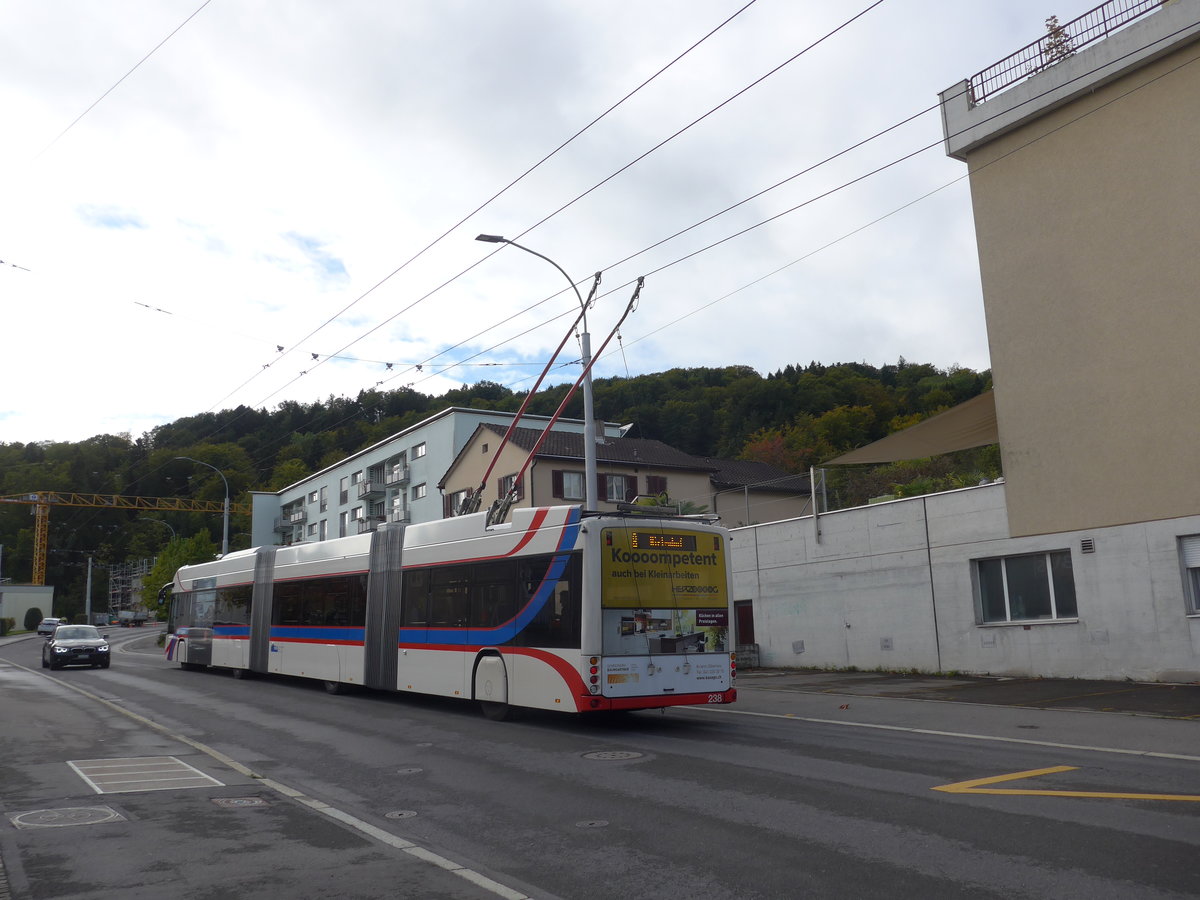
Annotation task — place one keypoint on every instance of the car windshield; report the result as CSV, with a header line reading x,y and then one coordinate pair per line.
x,y
75,632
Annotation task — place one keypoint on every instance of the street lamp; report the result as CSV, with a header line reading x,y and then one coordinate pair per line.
x,y
160,521
585,346
225,532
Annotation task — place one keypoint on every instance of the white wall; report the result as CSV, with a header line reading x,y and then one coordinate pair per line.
x,y
900,573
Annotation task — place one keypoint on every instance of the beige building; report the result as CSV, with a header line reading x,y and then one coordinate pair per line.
x,y
1085,181
627,468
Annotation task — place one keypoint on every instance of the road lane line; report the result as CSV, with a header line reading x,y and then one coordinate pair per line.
x,y
954,734
366,828
976,786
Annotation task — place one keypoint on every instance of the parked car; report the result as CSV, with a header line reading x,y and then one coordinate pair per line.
x,y
75,645
46,626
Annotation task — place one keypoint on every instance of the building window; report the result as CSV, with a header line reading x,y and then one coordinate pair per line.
x,y
323,533
454,502
506,484
357,477
312,529
566,485
1189,553
418,491
324,498
343,523
344,490
618,488
356,514
1028,587
419,450
312,497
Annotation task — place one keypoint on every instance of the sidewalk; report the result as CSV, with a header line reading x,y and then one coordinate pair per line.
x,y
1170,701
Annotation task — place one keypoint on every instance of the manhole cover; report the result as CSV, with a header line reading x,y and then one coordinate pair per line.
x,y
240,802
61,818
591,823
410,770
400,814
612,754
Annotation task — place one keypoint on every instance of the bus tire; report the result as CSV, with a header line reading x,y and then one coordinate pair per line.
x,y
191,667
333,687
239,674
497,712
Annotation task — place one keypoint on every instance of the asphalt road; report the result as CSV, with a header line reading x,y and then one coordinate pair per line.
x,y
807,787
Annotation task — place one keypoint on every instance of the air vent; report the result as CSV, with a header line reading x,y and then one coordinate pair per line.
x,y
1087,545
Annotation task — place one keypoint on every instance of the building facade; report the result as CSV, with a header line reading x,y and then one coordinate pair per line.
x,y
1083,185
937,584
394,480
626,468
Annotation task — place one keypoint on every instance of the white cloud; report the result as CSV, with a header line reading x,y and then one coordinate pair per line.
x,y
271,164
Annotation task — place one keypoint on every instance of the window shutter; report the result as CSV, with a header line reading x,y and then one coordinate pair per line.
x,y
1190,547
630,488
656,484
602,487
520,488
556,484
447,506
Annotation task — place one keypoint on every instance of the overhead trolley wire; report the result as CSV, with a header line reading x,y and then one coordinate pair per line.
x,y
602,182
477,210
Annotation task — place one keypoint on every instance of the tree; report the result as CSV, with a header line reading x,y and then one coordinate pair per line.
x,y
180,552
1057,45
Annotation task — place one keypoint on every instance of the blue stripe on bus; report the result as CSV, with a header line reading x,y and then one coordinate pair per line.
x,y
501,634
318,633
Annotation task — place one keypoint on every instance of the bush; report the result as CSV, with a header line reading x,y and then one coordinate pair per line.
x,y
7,625
33,618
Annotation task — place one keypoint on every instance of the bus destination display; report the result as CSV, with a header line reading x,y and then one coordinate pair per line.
x,y
649,540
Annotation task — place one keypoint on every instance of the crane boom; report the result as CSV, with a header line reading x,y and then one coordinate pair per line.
x,y
41,501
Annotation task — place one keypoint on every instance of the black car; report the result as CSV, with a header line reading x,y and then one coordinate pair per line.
x,y
75,645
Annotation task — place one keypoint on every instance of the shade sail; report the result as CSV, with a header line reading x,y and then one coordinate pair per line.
x,y
970,424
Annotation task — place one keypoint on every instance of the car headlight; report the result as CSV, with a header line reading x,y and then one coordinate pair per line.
x,y
103,649
60,650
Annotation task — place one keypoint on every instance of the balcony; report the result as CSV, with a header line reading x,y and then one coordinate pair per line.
x,y
400,516
370,523
396,476
369,489
290,518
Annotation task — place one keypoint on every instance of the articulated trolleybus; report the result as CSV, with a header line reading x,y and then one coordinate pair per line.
x,y
558,609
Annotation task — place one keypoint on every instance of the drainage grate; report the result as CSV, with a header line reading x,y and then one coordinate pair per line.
x,y
400,814
62,818
146,773
612,754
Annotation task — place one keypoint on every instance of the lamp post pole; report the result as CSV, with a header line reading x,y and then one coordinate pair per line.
x,y
225,531
585,347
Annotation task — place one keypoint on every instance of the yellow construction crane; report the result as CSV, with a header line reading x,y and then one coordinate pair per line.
x,y
41,501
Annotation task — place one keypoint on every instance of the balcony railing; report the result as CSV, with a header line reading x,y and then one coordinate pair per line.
x,y
402,516
369,489
1073,36
396,476
288,519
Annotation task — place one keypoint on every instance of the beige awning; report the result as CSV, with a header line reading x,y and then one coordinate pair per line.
x,y
970,424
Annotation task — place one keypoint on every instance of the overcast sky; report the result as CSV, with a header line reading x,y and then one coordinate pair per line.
x,y
293,174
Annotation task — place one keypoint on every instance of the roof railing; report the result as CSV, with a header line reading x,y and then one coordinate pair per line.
x,y
1058,44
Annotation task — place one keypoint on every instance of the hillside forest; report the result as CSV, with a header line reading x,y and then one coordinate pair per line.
x,y
794,418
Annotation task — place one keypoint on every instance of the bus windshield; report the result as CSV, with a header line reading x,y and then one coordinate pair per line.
x,y
663,591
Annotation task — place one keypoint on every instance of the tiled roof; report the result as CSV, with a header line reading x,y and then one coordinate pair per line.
x,y
731,473
630,451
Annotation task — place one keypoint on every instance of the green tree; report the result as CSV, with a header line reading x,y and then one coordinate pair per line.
x,y
180,552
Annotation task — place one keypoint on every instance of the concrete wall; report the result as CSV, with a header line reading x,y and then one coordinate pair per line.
x,y
16,599
1084,183
891,586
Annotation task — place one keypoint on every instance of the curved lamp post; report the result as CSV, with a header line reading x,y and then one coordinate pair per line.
x,y
161,522
225,532
585,346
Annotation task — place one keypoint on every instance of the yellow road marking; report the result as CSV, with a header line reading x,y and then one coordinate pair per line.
x,y
976,787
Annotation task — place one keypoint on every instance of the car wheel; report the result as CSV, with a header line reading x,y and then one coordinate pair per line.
x,y
45,665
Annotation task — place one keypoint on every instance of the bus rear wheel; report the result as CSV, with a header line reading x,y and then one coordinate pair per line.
x,y
497,712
